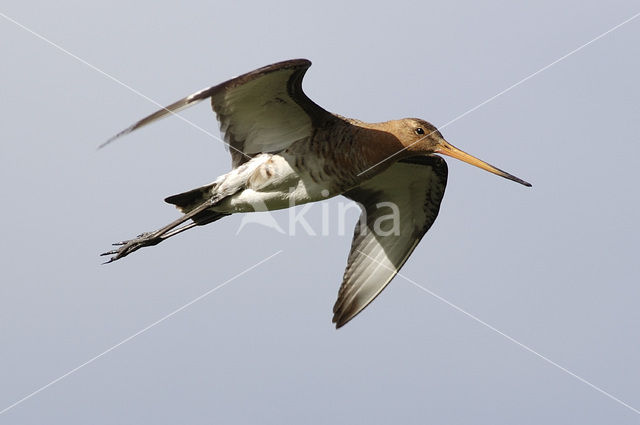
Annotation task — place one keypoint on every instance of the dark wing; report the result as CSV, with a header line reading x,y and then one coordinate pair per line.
x,y
399,206
266,110
262,111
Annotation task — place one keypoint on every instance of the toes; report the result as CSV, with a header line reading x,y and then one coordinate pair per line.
x,y
127,247
117,253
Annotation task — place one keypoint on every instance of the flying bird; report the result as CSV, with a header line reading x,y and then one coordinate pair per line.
x,y
286,150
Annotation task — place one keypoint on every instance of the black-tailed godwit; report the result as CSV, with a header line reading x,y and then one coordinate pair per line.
x,y
286,150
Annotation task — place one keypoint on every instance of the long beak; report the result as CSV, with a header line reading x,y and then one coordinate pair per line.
x,y
448,149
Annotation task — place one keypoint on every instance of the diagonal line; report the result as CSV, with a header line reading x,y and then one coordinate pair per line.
x,y
511,87
141,331
515,341
532,351
112,78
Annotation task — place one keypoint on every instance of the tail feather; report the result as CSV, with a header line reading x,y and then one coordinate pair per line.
x,y
187,201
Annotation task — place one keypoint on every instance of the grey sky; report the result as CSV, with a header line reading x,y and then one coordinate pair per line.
x,y
554,266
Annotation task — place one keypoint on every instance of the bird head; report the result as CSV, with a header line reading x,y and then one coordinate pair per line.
x,y
423,138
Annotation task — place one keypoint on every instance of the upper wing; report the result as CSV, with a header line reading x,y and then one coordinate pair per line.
x,y
399,206
262,111
266,110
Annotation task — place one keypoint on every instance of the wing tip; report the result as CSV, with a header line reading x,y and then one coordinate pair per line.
x,y
338,321
117,136
164,111
342,316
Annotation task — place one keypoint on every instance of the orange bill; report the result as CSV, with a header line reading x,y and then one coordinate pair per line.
x,y
448,149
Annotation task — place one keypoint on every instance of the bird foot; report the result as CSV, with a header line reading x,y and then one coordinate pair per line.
x,y
129,246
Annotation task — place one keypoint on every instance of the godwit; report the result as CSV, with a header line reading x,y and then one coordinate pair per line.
x,y
286,150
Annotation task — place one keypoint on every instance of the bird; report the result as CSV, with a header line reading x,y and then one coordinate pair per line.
x,y
287,150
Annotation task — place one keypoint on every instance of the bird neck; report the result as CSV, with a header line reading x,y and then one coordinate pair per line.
x,y
379,147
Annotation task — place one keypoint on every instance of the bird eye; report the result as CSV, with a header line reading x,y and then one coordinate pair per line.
x,y
419,130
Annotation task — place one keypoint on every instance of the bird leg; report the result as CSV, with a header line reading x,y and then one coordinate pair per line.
x,y
155,237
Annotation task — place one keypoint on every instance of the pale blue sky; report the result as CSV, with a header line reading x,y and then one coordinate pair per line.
x,y
554,267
